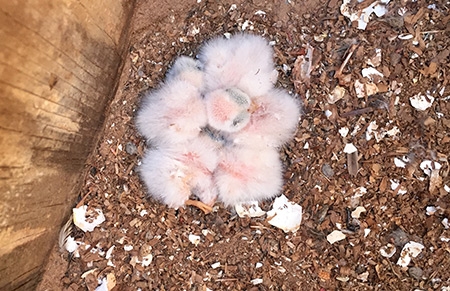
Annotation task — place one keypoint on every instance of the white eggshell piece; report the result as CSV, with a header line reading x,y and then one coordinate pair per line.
x,y
285,214
388,250
80,220
431,210
337,94
250,209
335,236
194,239
409,251
357,212
360,89
109,252
421,102
71,245
399,163
404,36
350,148
215,265
427,166
370,72
147,260
256,281
445,223
103,286
343,131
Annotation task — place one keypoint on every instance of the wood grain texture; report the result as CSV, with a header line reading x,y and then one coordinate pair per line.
x,y
59,62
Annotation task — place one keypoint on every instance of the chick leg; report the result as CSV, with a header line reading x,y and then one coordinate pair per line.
x,y
202,206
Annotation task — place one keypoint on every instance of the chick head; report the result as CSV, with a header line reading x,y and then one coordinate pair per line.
x,y
186,69
228,109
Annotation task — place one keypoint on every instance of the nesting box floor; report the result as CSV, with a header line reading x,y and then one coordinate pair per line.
x,y
234,253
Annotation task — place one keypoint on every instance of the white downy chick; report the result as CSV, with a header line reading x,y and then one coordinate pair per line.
x,y
244,174
244,61
171,114
227,109
273,121
172,174
186,69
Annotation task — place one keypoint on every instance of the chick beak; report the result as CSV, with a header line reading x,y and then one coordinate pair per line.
x,y
253,107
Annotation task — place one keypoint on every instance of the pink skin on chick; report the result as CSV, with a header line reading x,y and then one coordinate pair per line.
x,y
227,109
273,121
186,69
172,174
200,155
245,174
244,61
173,113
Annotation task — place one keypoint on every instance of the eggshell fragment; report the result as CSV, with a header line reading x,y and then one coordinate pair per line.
x,y
388,250
445,223
194,239
409,251
337,94
250,209
350,148
357,212
103,286
147,260
370,73
399,163
86,223
335,236
404,36
360,89
343,131
428,166
421,102
107,283
430,210
215,265
285,214
256,281
71,244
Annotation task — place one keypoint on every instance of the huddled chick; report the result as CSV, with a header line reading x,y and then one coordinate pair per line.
x,y
216,126
172,173
244,61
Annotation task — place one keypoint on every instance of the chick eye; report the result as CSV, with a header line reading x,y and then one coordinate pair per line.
x,y
239,97
237,120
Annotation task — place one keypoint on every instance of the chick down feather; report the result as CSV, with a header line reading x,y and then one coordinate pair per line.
x,y
172,114
186,69
244,61
172,174
273,121
244,174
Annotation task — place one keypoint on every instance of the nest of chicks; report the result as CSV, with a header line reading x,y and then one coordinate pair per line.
x,y
215,126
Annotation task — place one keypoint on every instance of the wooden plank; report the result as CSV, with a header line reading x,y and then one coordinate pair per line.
x,y
59,60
